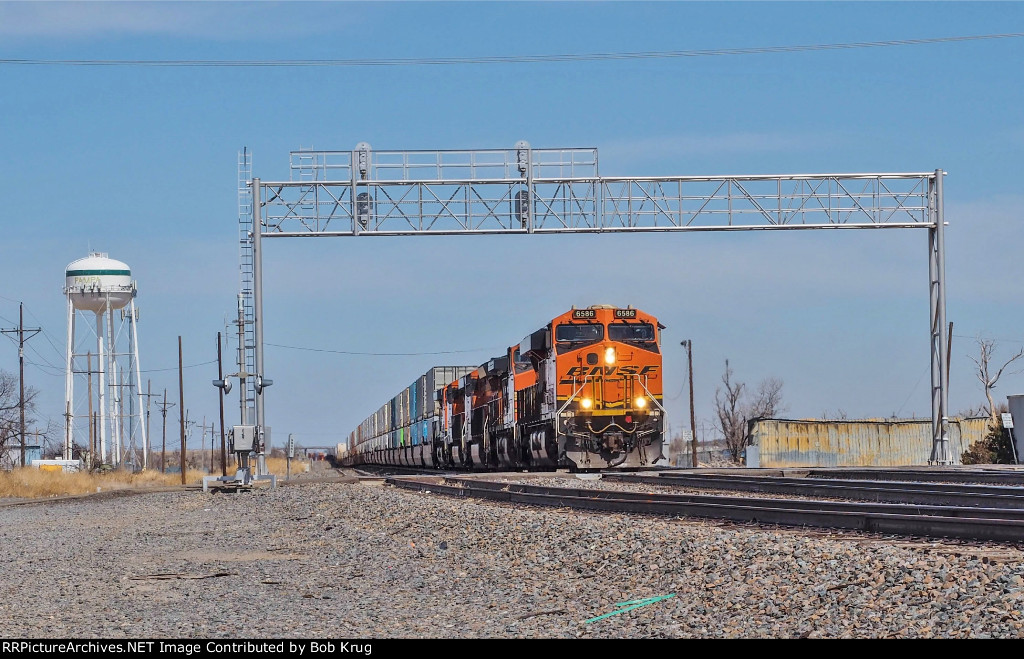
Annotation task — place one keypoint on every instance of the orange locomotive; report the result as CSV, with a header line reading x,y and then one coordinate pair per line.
x,y
583,392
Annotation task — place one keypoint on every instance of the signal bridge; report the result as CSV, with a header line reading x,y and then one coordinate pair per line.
x,y
523,190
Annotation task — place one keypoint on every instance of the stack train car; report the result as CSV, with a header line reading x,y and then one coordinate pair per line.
x,y
584,392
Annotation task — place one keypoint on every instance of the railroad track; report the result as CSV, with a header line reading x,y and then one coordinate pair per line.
x,y
930,493
922,475
384,471
970,522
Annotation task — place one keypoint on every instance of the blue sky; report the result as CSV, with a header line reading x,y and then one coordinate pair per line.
x,y
140,162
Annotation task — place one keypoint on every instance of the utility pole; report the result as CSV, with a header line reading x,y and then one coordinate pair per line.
x,y
693,423
213,459
181,409
149,438
949,348
223,445
189,427
20,331
202,445
163,450
242,375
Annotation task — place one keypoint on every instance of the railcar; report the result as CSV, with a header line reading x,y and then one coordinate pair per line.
x,y
583,392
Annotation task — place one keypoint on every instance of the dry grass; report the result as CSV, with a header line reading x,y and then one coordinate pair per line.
x,y
279,466
31,483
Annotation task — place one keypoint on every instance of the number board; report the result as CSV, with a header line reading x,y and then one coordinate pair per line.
x,y
583,313
625,313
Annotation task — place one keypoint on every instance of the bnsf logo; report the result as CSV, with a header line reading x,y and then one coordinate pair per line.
x,y
582,371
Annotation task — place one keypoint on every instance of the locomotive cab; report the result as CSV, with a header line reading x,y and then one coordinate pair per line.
x,y
609,391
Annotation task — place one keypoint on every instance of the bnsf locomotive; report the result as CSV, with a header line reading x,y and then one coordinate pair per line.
x,y
583,392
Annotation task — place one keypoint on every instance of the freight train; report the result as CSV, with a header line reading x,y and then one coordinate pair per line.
x,y
583,392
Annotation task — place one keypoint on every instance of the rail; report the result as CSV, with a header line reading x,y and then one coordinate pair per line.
x,y
971,523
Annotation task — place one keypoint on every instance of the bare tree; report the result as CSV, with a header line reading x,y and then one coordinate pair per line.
x,y
10,416
51,439
767,400
735,411
986,351
974,411
730,416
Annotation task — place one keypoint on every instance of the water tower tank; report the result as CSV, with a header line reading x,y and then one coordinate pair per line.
x,y
97,283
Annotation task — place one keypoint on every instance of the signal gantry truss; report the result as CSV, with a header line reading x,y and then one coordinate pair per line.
x,y
524,191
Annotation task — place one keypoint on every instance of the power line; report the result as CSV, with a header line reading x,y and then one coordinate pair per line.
x,y
20,331
44,369
506,59
48,363
46,335
174,368
962,336
378,354
921,377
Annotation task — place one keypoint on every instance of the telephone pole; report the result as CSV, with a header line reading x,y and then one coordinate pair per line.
x,y
223,448
149,438
213,458
181,409
163,450
20,331
693,424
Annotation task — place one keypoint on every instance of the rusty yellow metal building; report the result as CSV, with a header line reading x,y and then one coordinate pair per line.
x,y
882,443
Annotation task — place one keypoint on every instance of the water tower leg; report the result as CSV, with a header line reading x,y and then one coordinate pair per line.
x,y
101,369
112,412
69,385
138,384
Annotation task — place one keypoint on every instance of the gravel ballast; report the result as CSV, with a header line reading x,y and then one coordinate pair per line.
x,y
321,560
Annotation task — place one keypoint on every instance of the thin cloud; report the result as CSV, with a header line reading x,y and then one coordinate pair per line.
x,y
1015,136
665,146
219,20
983,249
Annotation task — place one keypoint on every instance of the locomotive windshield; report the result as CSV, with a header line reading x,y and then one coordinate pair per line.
x,y
631,332
576,333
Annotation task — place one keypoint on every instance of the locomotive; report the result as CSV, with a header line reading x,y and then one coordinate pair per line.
x,y
583,392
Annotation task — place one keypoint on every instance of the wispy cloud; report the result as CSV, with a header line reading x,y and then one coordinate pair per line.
x,y
1015,136
691,145
223,20
983,244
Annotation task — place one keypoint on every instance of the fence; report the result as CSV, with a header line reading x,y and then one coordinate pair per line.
x,y
820,443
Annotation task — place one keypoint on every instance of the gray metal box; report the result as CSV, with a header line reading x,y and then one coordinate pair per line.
x,y
242,438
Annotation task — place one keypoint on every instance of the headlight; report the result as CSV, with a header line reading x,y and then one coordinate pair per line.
x,y
640,402
586,403
609,355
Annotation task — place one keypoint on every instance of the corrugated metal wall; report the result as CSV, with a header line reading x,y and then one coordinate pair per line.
x,y
889,443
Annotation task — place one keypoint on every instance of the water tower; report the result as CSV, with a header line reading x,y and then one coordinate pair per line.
x,y
104,412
